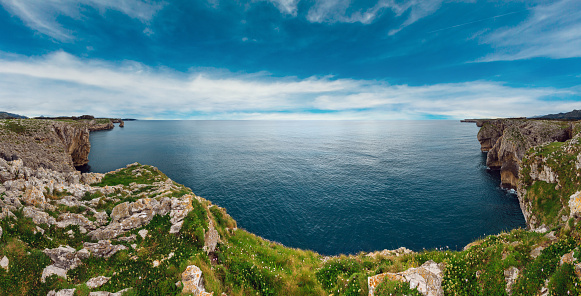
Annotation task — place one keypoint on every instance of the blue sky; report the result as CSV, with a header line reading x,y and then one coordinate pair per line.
x,y
290,59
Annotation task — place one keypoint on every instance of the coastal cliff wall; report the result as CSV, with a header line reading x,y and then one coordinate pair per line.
x,y
507,141
40,143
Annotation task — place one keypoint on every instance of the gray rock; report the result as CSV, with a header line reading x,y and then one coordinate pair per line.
x,y
193,281
67,219
103,293
120,212
38,217
50,270
510,276
103,248
427,279
97,282
1,232
63,292
536,252
4,263
127,238
211,238
143,233
63,257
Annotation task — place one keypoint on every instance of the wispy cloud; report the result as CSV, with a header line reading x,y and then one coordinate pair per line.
x,y
552,30
42,16
286,6
336,11
59,84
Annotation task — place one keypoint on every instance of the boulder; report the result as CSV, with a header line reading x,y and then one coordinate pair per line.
x,y
63,292
52,270
575,204
142,233
510,276
103,248
193,281
4,263
427,279
97,282
63,257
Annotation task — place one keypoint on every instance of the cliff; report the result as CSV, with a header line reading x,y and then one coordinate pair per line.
x,y
41,143
134,231
507,141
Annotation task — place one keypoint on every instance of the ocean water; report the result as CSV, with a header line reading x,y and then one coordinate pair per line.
x,y
329,186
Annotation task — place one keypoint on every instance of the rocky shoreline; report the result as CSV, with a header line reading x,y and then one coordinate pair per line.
x,y
134,231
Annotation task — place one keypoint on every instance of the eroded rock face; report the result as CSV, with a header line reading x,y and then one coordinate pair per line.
x,y
427,279
49,144
507,140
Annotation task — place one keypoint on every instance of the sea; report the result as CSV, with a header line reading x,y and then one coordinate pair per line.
x,y
334,187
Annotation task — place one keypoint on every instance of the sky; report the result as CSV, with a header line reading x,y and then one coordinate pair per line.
x,y
290,59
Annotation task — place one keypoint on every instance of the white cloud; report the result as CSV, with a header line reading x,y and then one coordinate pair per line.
x,y
286,6
552,30
336,11
42,16
60,84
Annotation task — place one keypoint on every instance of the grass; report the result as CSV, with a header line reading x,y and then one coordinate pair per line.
x,y
140,174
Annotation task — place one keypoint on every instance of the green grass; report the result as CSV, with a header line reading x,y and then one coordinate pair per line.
x,y
125,176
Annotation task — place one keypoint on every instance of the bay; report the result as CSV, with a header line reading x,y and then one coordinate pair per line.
x,y
329,186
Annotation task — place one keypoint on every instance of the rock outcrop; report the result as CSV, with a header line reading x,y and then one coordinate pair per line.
x,y
427,279
193,282
41,143
507,141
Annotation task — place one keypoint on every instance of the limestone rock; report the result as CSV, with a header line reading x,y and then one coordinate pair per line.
x,y
104,293
63,257
536,252
103,248
1,232
510,276
575,204
91,178
38,217
193,281
142,233
97,282
63,292
34,197
67,219
4,263
567,258
211,238
397,252
507,140
427,279
52,270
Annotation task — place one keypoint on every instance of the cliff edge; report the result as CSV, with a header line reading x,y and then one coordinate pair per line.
x,y
507,140
40,143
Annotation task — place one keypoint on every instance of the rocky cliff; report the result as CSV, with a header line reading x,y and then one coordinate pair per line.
x,y
41,143
507,141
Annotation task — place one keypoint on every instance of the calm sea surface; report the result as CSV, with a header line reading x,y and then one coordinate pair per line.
x,y
329,186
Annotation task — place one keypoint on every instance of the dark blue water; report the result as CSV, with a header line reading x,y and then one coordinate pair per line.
x,y
329,186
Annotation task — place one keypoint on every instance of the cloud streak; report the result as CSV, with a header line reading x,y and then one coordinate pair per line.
x,y
42,16
551,31
61,84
